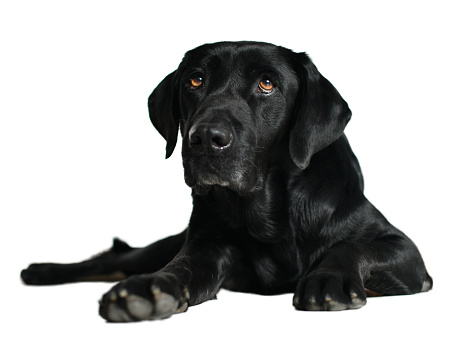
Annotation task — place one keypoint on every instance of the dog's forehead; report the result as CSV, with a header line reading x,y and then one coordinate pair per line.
x,y
237,56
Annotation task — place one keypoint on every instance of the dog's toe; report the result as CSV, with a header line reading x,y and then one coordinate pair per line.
x,y
139,307
116,314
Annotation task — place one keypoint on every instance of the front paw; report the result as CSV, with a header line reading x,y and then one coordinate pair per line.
x,y
329,291
144,297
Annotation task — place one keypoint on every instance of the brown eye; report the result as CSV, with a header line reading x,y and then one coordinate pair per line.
x,y
265,86
196,82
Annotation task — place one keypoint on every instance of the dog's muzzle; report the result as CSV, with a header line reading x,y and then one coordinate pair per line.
x,y
215,154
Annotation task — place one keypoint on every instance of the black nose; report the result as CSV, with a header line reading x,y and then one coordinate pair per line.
x,y
210,137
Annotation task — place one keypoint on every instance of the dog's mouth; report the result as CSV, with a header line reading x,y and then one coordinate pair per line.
x,y
203,181
211,179
202,175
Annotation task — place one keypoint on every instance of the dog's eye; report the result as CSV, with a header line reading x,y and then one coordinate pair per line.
x,y
265,86
196,82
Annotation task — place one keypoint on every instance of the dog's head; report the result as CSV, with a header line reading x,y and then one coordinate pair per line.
x,y
243,106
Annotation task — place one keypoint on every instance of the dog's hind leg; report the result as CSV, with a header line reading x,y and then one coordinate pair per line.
x,y
115,264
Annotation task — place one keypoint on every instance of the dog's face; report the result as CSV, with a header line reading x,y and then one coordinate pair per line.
x,y
242,107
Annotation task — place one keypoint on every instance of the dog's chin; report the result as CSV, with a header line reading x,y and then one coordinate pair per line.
x,y
202,183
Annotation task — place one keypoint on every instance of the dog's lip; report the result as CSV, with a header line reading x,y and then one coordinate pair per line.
x,y
209,178
205,177
236,174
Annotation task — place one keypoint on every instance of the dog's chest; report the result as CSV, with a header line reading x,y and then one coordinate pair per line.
x,y
259,228
263,216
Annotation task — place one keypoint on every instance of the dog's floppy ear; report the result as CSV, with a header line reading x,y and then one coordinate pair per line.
x,y
321,114
163,111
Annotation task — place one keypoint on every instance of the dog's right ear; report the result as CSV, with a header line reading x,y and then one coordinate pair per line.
x,y
163,112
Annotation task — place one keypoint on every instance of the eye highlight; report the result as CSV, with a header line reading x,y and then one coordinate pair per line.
x,y
196,82
265,86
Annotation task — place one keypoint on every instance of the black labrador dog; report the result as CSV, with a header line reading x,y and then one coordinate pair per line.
x,y
278,202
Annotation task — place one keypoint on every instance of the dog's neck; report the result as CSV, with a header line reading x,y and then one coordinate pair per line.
x,y
260,211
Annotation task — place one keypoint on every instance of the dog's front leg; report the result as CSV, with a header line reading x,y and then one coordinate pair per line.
x,y
195,275
388,265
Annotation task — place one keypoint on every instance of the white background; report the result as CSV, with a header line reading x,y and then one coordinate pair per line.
x,y
81,163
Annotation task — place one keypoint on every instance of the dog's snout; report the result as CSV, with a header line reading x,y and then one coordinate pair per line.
x,y
210,137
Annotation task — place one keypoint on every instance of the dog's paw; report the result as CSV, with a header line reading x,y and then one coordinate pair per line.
x,y
329,291
42,274
144,297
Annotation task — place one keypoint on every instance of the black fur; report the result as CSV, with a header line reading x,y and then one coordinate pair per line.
x,y
277,194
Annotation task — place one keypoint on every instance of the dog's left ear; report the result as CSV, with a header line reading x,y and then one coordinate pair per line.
x,y
321,114
163,112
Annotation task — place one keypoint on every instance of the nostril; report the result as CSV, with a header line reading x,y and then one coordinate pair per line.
x,y
221,139
194,138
